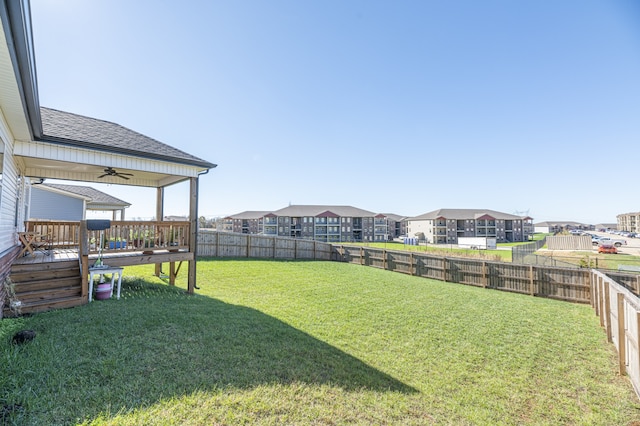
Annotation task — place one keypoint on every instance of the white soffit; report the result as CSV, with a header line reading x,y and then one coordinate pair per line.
x,y
10,99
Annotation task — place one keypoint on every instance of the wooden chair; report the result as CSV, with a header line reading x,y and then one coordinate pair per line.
x,y
33,242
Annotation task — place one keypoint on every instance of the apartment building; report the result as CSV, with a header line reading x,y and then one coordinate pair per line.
x,y
445,226
552,227
322,223
318,222
396,225
629,222
249,222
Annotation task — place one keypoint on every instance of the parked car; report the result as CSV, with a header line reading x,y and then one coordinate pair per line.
x,y
607,248
616,242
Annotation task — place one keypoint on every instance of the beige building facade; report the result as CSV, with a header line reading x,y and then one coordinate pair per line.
x,y
445,226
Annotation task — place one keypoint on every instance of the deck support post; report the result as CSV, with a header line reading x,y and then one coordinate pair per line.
x,y
172,273
83,252
193,230
159,217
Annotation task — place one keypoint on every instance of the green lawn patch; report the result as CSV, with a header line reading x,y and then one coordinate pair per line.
x,y
593,259
440,250
267,342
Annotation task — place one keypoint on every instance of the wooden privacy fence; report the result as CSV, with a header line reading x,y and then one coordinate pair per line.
x,y
570,242
619,312
557,283
225,244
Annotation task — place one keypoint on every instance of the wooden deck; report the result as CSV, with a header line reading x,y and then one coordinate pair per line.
x,y
59,277
54,279
128,258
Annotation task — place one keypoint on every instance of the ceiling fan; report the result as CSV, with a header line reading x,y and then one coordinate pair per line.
x,y
109,171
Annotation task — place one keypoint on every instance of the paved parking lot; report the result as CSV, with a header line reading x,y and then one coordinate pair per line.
x,y
632,247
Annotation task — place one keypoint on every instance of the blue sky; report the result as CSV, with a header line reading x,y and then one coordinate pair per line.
x,y
391,106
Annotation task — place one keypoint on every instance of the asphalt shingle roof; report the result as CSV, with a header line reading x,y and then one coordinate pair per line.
x,y
96,197
249,215
78,130
465,214
314,210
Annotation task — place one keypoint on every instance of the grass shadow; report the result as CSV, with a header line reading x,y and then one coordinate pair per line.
x,y
157,342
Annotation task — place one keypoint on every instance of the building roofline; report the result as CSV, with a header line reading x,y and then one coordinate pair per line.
x,y
16,22
131,152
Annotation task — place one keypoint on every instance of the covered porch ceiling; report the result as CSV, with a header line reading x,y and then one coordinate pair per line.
x,y
154,175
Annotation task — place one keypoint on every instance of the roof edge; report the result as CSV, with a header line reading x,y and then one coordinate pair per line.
x,y
98,147
16,21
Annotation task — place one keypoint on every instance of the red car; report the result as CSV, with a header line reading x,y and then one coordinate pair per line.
x,y
607,248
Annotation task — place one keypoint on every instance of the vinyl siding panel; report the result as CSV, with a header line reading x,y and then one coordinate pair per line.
x,y
10,193
54,206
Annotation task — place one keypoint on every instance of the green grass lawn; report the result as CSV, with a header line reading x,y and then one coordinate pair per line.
x,y
593,258
266,342
440,250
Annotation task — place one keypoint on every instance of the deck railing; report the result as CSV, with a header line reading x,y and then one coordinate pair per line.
x,y
121,236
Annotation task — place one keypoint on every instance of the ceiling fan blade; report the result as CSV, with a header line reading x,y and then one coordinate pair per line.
x,y
123,177
101,176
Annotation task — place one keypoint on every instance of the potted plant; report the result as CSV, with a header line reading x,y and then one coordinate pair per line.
x,y
117,243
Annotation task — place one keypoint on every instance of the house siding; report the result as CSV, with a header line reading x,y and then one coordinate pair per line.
x,y
10,194
10,206
54,206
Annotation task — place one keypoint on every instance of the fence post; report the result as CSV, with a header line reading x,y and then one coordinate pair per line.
x,y
274,247
485,277
601,300
362,256
248,245
531,281
384,259
444,269
637,342
596,293
607,310
593,292
295,249
622,336
411,264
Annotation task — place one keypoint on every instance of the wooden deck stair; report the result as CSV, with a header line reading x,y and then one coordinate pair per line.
x,y
46,286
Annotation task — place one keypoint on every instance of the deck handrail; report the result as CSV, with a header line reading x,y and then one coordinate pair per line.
x,y
121,236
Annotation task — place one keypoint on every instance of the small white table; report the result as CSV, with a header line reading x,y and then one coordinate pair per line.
x,y
105,270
